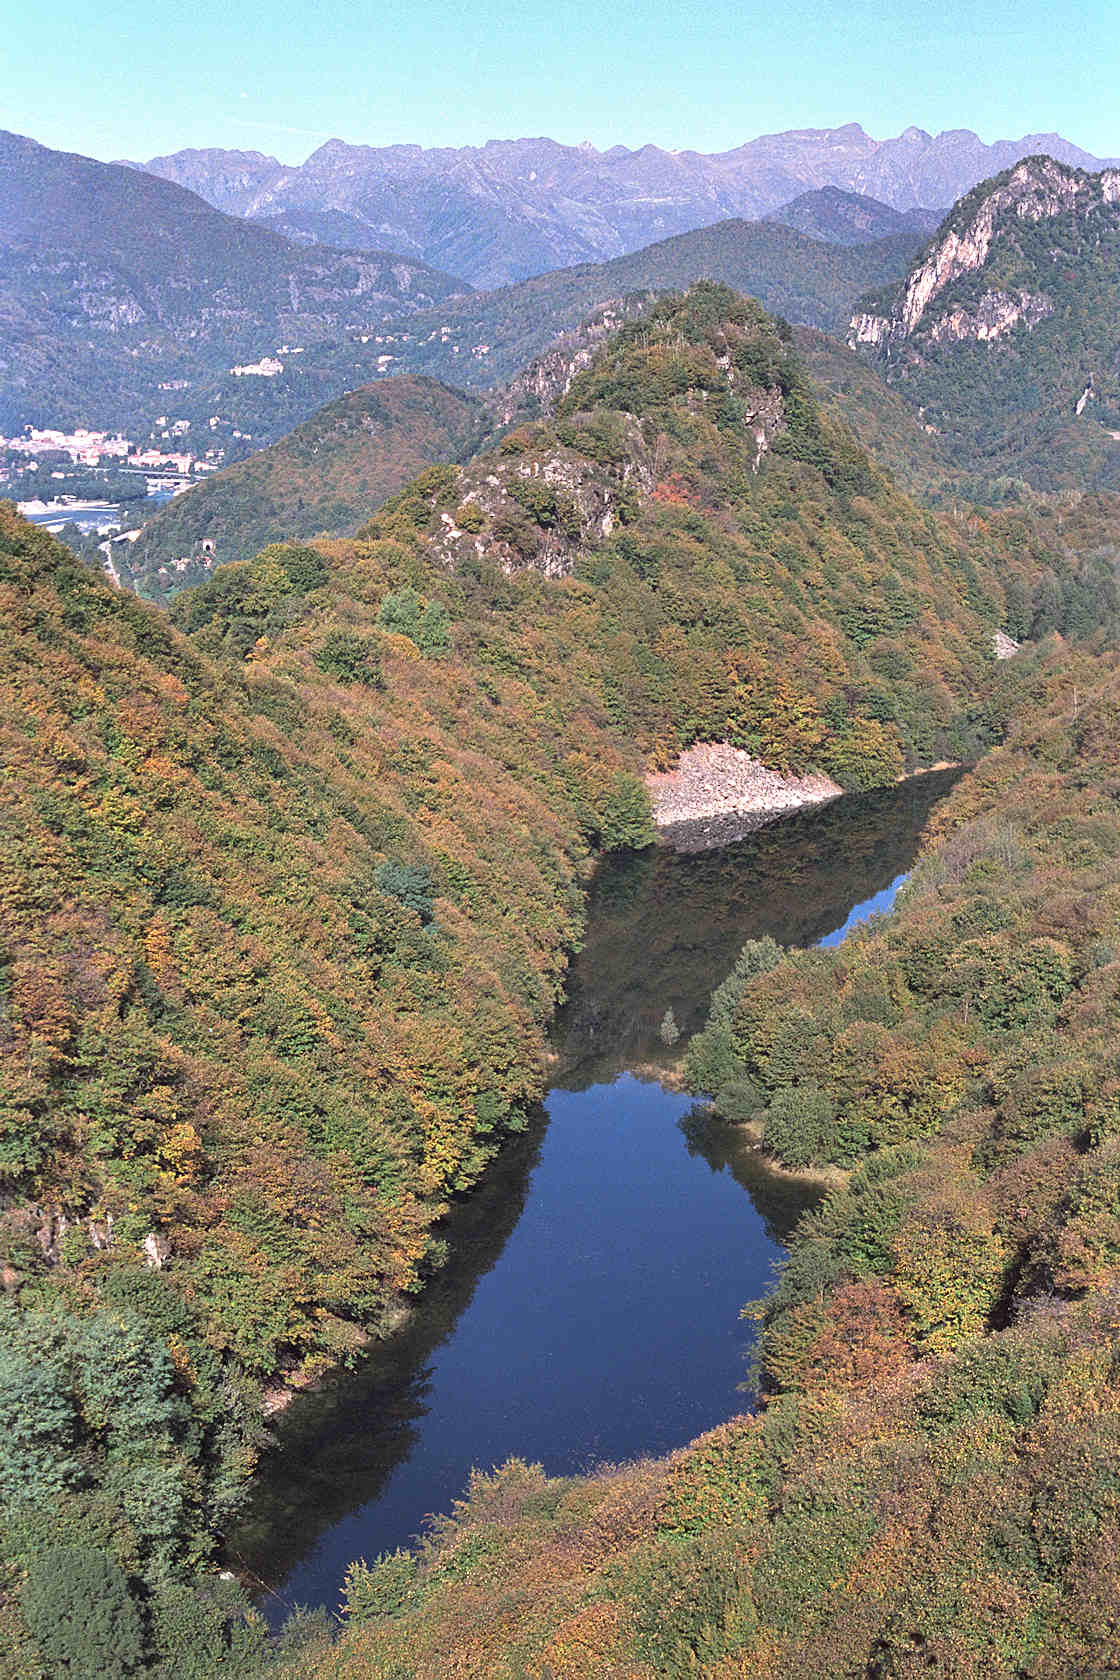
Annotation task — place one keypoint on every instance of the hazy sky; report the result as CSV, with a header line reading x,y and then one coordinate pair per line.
x,y
132,79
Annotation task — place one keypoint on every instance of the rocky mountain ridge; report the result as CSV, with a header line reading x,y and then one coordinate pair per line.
x,y
327,475
1035,190
512,208
588,457
1005,331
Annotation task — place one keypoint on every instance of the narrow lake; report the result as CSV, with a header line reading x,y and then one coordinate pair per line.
x,y
589,1308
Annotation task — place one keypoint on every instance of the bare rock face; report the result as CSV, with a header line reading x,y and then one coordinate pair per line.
x,y
229,180
1035,190
548,379
996,313
602,428
541,509
157,1251
868,328
510,209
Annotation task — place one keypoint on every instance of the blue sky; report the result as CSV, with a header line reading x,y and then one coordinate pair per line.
x,y
131,79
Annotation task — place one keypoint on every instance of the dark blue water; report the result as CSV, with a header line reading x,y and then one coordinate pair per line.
x,y
610,1321
590,1308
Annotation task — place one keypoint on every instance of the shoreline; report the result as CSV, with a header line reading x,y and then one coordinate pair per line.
x,y
717,794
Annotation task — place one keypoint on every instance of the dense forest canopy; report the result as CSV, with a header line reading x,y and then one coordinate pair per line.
x,y
290,877
930,1484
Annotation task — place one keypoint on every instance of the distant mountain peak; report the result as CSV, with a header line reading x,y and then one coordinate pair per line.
x,y
1036,189
850,218
509,209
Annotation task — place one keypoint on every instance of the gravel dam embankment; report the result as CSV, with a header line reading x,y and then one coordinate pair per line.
x,y
717,792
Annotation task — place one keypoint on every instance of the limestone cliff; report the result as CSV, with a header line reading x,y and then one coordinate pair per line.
x,y
1036,190
1005,334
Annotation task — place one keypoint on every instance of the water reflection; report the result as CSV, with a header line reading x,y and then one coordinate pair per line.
x,y
589,1308
664,928
337,1447
779,1198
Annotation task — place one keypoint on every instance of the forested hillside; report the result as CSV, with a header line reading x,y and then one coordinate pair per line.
x,y
290,877
116,287
930,1484
483,339
330,472
1004,334
321,480
851,218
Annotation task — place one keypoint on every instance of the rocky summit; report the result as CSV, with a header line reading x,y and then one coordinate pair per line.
x,y
1003,334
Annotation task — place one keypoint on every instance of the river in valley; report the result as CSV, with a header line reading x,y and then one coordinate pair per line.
x,y
589,1310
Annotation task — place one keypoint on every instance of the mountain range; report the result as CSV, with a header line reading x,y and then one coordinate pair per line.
x,y
114,282
480,340
512,208
118,288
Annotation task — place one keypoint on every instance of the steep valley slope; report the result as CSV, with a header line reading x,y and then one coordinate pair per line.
x,y
116,286
928,1485
289,878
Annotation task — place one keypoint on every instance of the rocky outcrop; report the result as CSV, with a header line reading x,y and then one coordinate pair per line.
x,y
542,507
157,1251
548,379
716,792
1035,190
561,482
996,313
869,328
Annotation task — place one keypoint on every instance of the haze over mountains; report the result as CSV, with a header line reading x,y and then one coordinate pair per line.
x,y
117,288
511,208
849,218
112,282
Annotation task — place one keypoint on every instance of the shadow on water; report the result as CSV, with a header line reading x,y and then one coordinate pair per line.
x,y
336,1448
664,928
589,1304
779,1198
